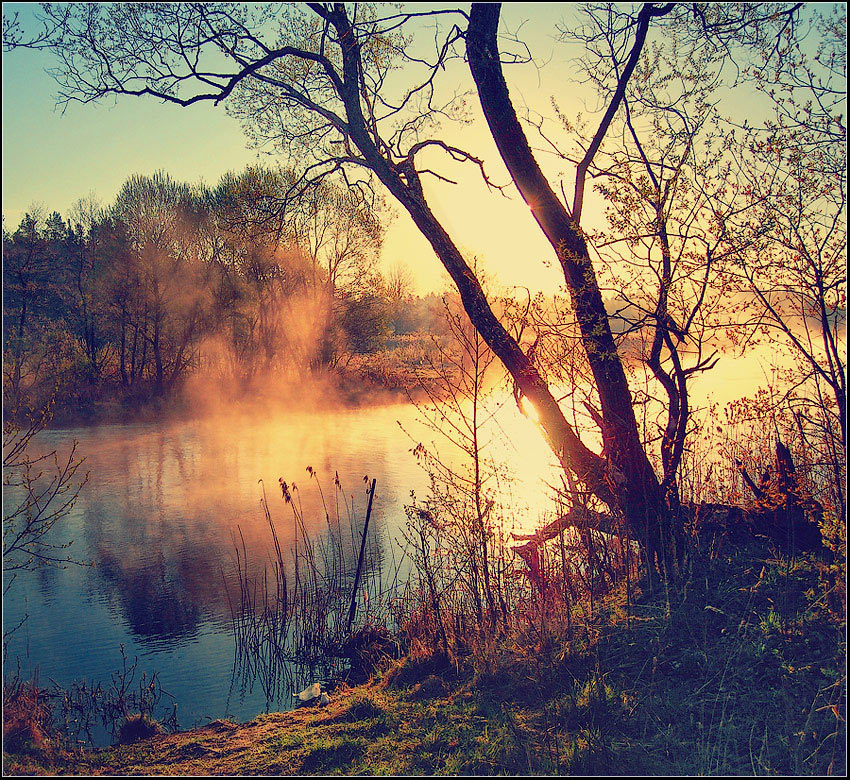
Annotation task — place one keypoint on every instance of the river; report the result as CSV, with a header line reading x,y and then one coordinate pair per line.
x,y
158,518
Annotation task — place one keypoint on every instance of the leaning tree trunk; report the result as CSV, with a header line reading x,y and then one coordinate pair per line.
x,y
630,475
623,478
403,182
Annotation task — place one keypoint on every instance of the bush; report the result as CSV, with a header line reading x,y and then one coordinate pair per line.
x,y
27,718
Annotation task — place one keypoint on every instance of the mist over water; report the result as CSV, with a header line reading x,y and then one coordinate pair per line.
x,y
159,518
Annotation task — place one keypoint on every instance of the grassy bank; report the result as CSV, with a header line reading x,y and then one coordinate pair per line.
x,y
741,672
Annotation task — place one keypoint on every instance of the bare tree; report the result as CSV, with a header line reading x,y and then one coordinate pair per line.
x,y
157,216
629,477
324,87
319,91
294,248
399,283
341,233
795,275
85,256
709,34
39,495
462,494
671,200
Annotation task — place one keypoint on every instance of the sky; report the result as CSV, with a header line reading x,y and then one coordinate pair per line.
x,y
53,158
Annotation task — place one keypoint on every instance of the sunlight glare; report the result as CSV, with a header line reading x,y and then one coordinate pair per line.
x,y
533,467
529,410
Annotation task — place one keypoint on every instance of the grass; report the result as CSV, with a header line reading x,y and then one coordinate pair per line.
x,y
741,672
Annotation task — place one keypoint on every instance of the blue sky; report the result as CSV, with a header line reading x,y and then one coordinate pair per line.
x,y
54,158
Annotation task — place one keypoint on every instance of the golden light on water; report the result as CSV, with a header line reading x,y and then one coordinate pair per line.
x,y
531,464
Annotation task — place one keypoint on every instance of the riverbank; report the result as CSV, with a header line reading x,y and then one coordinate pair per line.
x,y
742,672
397,374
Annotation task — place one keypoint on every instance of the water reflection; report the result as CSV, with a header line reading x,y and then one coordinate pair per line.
x,y
164,509
161,517
155,604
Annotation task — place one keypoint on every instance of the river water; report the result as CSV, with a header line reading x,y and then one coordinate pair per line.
x,y
158,519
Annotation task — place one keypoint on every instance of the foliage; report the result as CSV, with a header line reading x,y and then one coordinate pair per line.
x,y
241,282
793,166
39,489
27,717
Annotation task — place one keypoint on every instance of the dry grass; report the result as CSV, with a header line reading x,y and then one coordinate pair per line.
x,y
27,718
739,672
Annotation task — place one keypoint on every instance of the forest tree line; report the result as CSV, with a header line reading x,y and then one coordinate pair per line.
x,y
123,303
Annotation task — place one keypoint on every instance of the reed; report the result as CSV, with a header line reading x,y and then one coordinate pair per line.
x,y
84,714
310,609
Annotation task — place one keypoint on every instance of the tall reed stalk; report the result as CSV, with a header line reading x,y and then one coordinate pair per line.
x,y
294,619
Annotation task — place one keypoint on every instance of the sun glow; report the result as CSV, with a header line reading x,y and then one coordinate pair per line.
x,y
532,466
529,410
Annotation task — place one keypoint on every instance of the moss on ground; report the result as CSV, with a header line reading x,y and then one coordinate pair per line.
x,y
742,672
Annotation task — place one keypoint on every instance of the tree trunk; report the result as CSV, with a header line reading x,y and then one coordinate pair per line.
x,y
157,357
623,477
634,485
403,183
123,352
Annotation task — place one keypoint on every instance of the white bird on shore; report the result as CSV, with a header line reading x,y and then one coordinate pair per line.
x,y
310,692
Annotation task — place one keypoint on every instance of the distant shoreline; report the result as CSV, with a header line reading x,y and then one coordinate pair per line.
x,y
347,390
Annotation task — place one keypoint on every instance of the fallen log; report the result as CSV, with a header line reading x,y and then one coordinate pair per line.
x,y
587,524
579,518
784,511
